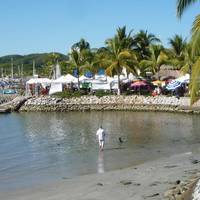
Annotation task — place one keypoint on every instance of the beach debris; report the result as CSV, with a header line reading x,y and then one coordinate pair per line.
x,y
126,182
170,166
120,140
137,184
152,195
195,161
155,183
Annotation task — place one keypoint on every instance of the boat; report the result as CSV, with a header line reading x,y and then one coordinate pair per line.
x,y
9,91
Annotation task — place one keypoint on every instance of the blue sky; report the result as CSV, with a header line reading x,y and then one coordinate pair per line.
x,y
36,26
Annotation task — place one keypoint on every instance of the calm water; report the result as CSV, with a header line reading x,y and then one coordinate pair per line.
x,y
40,147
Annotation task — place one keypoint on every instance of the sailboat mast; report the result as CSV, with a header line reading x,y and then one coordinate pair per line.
x,y
19,73
33,67
22,70
12,68
2,72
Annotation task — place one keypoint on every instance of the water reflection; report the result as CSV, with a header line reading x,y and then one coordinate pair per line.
x,y
100,163
64,144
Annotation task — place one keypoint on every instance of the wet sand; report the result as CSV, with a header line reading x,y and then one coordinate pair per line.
x,y
151,180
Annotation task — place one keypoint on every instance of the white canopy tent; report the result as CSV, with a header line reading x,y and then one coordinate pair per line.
x,y
35,83
57,85
66,79
39,80
84,78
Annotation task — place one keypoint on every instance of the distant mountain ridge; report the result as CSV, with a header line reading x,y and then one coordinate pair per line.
x,y
41,59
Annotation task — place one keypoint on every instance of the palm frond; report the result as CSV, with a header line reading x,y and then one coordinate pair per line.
x,y
185,68
109,70
124,55
195,82
196,36
182,5
162,58
146,63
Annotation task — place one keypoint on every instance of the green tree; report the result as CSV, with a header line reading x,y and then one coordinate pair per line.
x,y
157,58
188,61
142,42
79,57
118,55
178,46
81,45
195,40
50,64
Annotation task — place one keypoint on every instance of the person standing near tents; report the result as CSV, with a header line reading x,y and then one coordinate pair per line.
x,y
101,137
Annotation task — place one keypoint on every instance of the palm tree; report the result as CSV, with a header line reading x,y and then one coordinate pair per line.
x,y
126,40
178,45
195,40
142,42
81,45
80,53
189,60
78,61
78,58
157,58
116,57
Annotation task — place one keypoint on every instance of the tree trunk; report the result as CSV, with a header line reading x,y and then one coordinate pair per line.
x,y
118,90
158,78
78,79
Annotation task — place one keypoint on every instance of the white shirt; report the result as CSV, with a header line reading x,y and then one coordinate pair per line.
x,y
100,134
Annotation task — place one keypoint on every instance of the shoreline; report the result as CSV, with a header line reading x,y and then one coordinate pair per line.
x,y
155,179
111,103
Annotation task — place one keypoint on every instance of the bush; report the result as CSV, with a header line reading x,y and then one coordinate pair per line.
x,y
69,94
101,93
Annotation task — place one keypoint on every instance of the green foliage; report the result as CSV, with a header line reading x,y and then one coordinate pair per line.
x,y
196,36
142,42
69,94
178,46
101,93
158,57
182,5
41,61
118,55
195,82
79,57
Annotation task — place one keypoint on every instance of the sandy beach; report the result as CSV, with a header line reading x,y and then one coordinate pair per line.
x,y
151,180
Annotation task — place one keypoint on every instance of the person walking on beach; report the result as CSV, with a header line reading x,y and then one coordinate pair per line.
x,y
101,137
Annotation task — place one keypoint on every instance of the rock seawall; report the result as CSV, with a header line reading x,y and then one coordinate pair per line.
x,y
89,103
6,98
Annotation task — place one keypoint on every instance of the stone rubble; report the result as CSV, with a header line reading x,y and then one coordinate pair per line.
x,y
113,102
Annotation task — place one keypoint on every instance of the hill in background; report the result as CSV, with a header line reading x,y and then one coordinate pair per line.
x,y
25,62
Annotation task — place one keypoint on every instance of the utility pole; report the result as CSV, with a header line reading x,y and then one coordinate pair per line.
x,y
12,68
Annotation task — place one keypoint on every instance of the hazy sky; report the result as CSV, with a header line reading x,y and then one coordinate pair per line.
x,y
36,26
